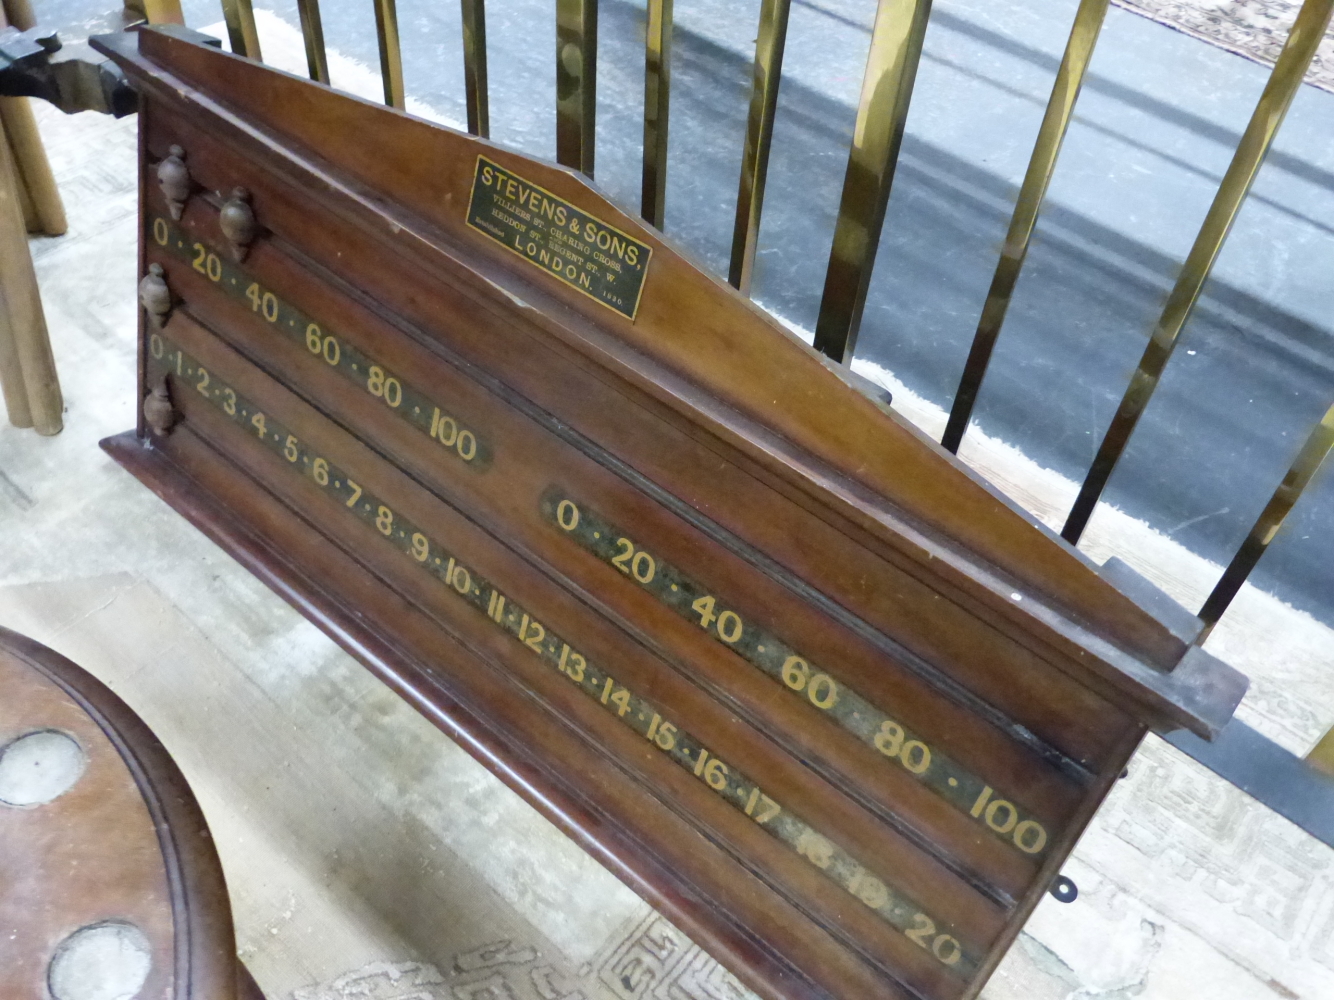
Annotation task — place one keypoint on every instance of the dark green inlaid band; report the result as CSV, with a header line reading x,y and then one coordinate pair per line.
x,y
437,422
1011,823
638,714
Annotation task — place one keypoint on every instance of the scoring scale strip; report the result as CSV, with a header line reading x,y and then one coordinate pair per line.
x,y
632,710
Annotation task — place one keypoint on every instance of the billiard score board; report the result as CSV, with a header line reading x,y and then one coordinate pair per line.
x,y
793,673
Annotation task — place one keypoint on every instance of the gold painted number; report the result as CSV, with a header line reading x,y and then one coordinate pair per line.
x,y
728,627
531,634
384,386
155,345
458,576
944,947
160,231
816,849
567,514
768,808
421,548
356,494
662,733
257,421
320,470
712,770
262,302
1029,836
891,741
639,564
202,384
572,664
821,689
325,347
290,451
229,404
207,263
446,430
384,520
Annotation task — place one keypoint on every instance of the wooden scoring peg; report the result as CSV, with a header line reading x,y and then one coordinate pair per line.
x,y
155,296
174,178
237,220
158,411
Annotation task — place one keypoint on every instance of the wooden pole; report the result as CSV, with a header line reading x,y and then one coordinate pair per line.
x,y
43,211
27,335
34,170
19,14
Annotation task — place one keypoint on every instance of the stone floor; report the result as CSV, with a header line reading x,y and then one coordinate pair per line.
x,y
370,858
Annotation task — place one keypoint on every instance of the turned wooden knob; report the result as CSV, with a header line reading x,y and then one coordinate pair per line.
x,y
237,220
158,411
174,178
155,296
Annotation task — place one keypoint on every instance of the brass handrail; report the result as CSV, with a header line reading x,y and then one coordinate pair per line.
x,y
891,69
1055,121
657,100
312,33
474,67
391,52
1289,72
576,82
769,44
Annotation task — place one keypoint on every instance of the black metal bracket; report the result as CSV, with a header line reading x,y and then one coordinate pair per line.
x,y
1266,772
35,63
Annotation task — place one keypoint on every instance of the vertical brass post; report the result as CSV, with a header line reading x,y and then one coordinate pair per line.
x,y
1287,76
312,32
576,82
474,67
1078,51
891,69
768,72
657,98
1303,470
391,53
163,11
241,31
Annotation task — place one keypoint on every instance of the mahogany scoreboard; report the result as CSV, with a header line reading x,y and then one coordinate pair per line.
x,y
789,670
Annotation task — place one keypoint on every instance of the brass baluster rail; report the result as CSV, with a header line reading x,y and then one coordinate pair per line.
x,y
891,69
312,33
474,67
391,52
769,44
1303,470
239,16
576,82
1287,76
657,100
1055,121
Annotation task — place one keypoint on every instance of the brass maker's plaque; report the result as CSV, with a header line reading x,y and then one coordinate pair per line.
x,y
566,242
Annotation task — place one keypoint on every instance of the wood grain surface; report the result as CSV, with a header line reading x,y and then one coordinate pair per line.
x,y
783,665
125,844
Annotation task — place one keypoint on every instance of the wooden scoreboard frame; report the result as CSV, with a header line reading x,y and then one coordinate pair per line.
x,y
788,669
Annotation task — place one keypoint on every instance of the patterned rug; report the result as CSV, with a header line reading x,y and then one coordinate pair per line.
x,y
1255,29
